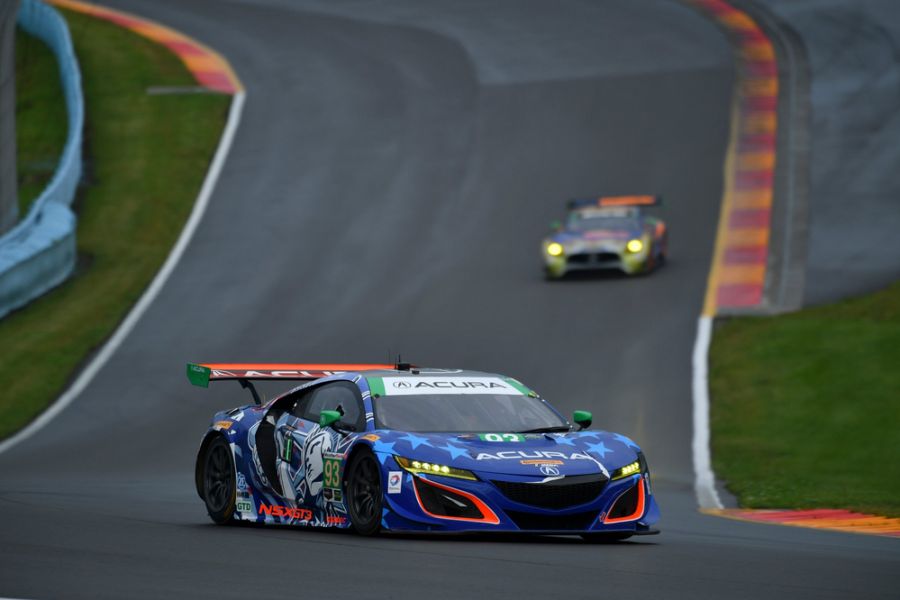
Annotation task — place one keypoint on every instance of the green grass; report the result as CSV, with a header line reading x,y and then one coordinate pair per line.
x,y
41,120
146,160
806,406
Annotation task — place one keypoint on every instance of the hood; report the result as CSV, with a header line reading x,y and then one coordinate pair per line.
x,y
577,453
592,236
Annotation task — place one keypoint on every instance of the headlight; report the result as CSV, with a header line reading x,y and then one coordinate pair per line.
x,y
634,246
629,469
417,466
554,249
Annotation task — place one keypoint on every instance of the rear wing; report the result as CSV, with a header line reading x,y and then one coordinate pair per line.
x,y
246,373
606,201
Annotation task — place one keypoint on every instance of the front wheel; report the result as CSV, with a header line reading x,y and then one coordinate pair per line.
x,y
364,497
218,481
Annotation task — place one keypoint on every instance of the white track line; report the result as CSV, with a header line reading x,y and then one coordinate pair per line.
x,y
87,375
705,483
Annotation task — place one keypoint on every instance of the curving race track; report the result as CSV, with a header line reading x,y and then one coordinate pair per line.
x,y
394,170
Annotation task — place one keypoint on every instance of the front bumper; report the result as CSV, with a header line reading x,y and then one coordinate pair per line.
x,y
626,262
490,510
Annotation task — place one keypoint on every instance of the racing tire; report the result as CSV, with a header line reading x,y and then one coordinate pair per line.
x,y
606,538
218,481
364,494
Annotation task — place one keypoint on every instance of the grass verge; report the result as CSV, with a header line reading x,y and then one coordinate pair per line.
x,y
41,120
806,406
146,156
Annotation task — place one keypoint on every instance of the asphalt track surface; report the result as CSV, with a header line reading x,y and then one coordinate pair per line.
x,y
394,171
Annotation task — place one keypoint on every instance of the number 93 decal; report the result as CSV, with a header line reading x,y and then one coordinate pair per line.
x,y
332,473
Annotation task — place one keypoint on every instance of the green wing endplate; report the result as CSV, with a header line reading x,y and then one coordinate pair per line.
x,y
198,374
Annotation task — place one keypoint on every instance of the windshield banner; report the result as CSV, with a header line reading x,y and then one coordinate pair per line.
x,y
409,386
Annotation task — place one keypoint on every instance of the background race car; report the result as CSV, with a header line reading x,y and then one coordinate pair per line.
x,y
610,232
378,448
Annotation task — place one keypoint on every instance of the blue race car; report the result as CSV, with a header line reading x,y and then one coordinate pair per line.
x,y
610,232
397,448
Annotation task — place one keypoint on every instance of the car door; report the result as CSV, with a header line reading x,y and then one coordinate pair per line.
x,y
308,464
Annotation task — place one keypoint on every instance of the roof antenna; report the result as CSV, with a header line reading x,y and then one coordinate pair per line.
x,y
402,366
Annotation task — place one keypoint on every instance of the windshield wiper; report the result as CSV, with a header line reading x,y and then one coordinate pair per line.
x,y
546,429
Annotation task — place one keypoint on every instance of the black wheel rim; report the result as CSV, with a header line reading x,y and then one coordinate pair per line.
x,y
218,478
365,492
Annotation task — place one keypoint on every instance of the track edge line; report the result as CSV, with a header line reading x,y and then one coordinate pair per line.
x,y
705,480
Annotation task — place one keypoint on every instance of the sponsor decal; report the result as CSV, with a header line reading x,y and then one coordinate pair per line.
x,y
251,374
371,437
223,425
501,437
334,520
395,482
244,506
273,510
400,386
241,482
537,454
331,479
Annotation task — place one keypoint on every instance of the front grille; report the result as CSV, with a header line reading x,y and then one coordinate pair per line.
x,y
579,259
597,258
534,522
556,494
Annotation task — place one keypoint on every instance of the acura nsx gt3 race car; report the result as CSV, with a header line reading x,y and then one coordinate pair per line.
x,y
611,232
397,448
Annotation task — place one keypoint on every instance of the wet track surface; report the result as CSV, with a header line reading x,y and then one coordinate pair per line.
x,y
394,171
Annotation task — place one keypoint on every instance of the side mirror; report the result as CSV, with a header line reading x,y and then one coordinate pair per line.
x,y
556,226
582,418
329,417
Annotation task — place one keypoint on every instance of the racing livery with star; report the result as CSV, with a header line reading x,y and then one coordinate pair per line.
x,y
381,448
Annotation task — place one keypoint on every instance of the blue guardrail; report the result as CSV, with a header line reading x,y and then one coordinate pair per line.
x,y
39,252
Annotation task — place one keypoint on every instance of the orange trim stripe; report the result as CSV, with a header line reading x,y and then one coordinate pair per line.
x,y
627,201
297,366
207,66
489,517
638,512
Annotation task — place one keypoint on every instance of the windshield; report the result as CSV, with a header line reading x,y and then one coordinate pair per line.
x,y
468,413
579,223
